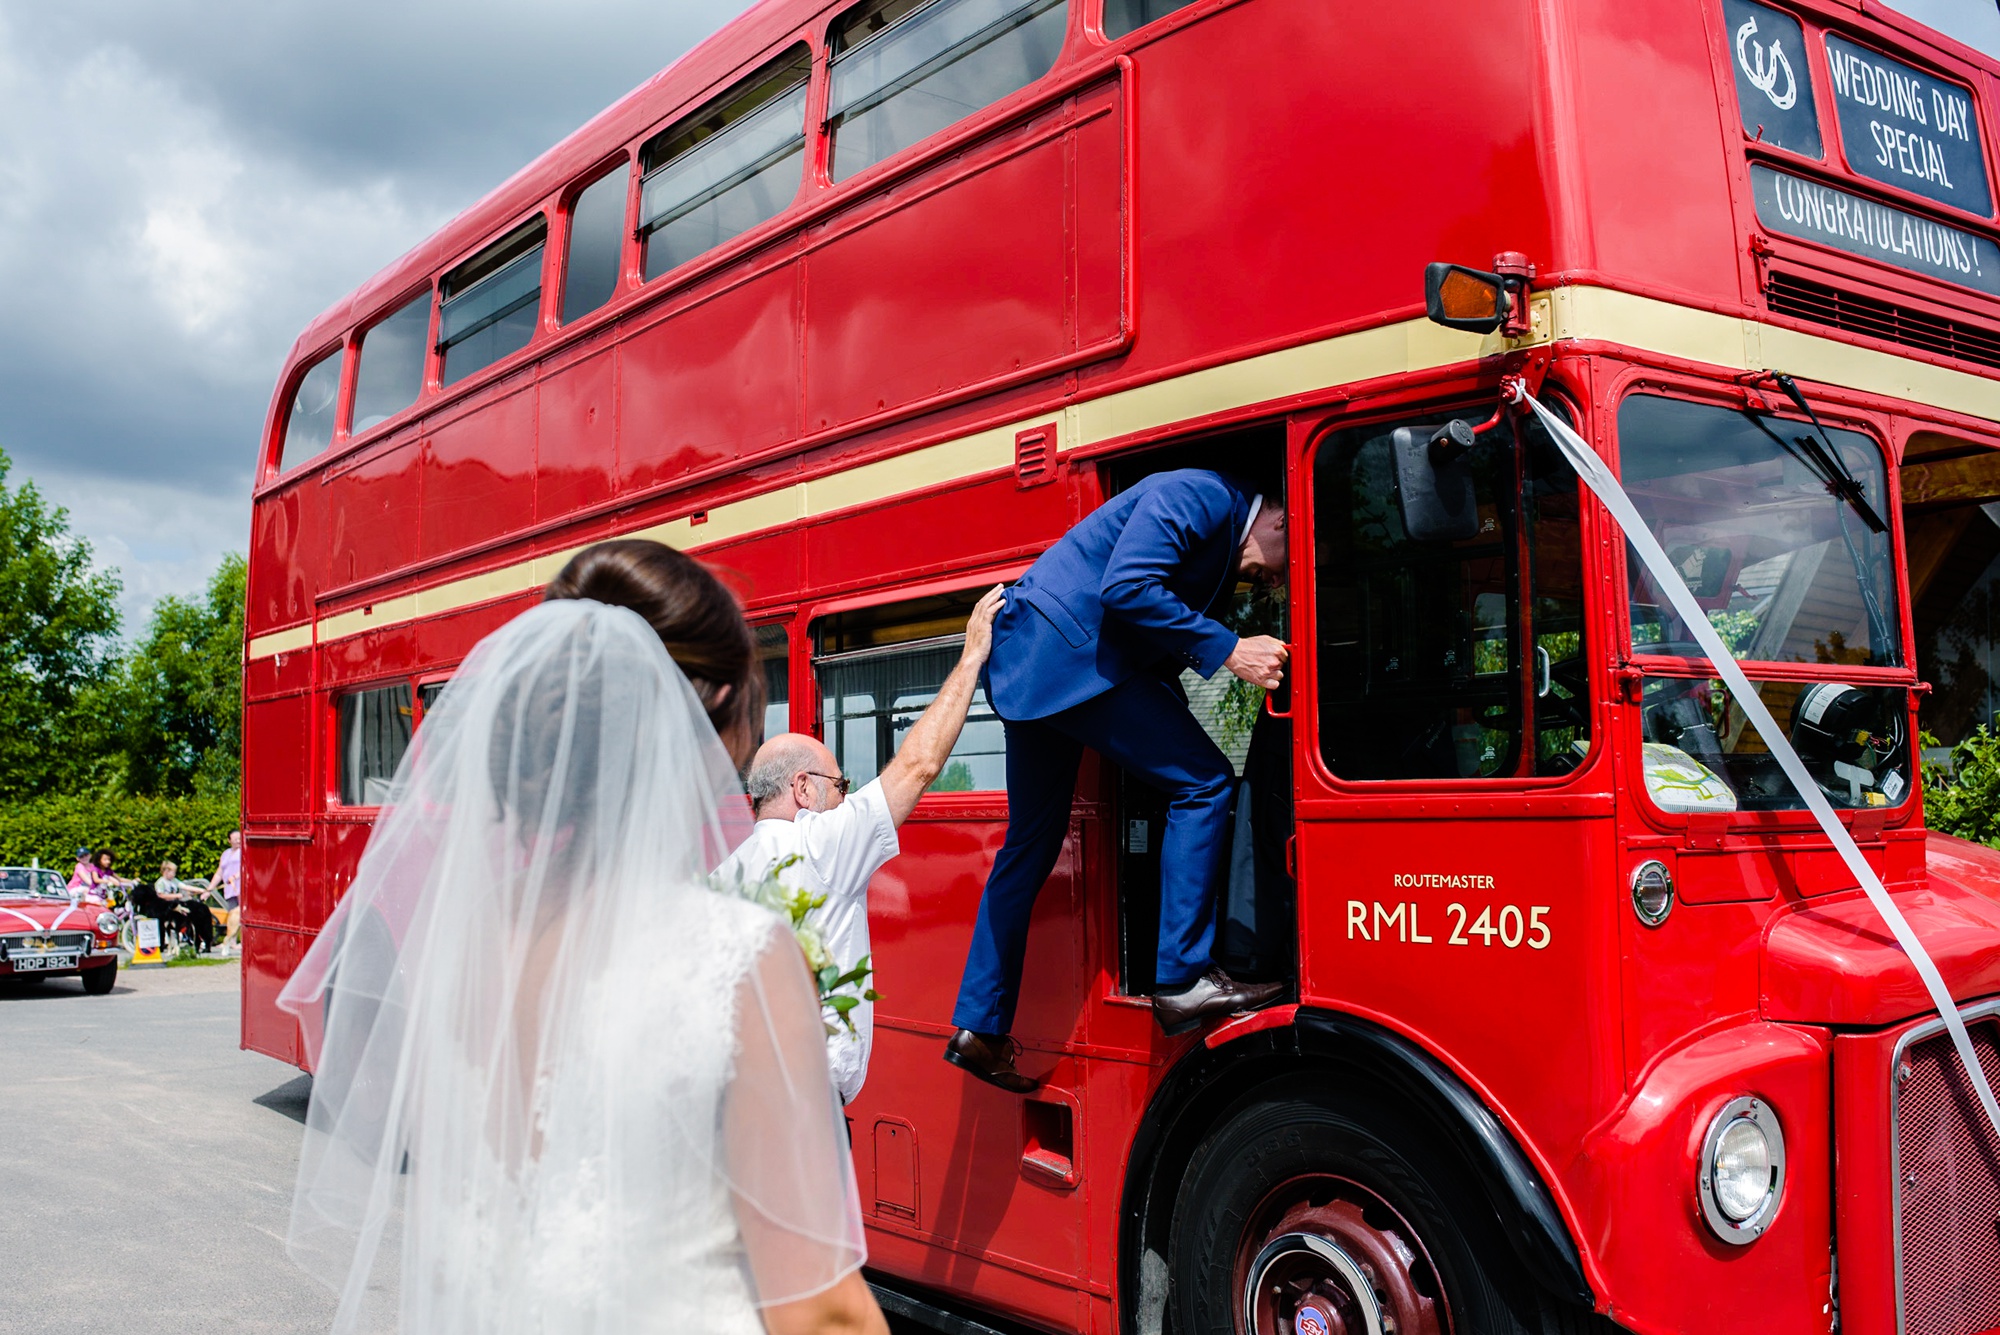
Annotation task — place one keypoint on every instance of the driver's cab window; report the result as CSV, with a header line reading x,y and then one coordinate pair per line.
x,y
1450,657
1779,528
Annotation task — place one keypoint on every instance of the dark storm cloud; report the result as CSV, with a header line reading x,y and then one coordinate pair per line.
x,y
185,183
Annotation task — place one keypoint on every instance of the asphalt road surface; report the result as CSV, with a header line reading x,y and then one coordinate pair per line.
x,y
146,1163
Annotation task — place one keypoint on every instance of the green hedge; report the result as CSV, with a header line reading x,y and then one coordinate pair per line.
x,y
141,832
1963,798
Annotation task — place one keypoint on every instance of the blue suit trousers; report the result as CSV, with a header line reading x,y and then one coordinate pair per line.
x,y
1142,725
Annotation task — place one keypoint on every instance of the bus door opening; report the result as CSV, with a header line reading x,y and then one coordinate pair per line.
x,y
1256,919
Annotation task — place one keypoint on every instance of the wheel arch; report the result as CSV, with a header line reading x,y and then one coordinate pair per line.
x,y
1207,1083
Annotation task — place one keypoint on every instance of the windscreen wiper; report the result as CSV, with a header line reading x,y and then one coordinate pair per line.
x,y
1818,455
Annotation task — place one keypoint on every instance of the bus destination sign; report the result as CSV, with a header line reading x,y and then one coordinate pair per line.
x,y
1904,128
1814,212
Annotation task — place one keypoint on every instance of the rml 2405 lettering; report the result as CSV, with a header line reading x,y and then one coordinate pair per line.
x,y
1512,927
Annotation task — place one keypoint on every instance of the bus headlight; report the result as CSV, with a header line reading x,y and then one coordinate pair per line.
x,y
1742,1170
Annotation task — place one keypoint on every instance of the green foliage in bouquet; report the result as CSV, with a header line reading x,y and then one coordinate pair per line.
x,y
841,988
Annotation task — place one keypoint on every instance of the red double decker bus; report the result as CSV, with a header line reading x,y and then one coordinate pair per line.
x,y
867,301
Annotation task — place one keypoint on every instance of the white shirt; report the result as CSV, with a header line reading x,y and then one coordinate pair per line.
x,y
839,852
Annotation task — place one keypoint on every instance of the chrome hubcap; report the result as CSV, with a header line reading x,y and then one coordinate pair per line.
x,y
1300,1284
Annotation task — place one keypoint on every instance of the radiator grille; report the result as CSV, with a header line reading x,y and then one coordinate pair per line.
x,y
61,940
1948,1200
1788,295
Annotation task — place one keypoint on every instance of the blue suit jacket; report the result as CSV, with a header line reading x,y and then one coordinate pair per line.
x,y
1135,587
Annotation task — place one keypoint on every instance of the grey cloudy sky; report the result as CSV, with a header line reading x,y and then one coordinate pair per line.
x,y
184,183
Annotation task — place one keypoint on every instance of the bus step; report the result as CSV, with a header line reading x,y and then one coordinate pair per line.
x,y
898,1302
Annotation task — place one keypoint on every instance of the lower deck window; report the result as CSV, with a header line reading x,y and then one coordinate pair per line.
x,y
773,654
879,668
374,730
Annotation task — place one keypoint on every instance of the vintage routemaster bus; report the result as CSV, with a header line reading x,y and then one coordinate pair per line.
x,y
867,301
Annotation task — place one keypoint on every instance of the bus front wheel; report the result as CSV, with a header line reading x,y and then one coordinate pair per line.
x,y
1300,1218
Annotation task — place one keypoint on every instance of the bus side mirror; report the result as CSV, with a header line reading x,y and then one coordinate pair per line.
x,y
1461,298
1434,482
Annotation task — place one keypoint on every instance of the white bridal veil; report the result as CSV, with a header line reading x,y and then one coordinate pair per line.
x,y
560,1085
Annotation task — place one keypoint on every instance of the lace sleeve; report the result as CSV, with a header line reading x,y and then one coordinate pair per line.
x,y
790,1174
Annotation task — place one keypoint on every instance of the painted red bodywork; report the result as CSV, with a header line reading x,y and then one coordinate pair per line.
x,y
25,914
1239,178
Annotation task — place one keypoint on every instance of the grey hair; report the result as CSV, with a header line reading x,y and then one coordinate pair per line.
x,y
778,762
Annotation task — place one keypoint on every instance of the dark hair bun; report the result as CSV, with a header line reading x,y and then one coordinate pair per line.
x,y
698,620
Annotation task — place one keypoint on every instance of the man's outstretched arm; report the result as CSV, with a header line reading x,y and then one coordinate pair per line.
x,y
923,753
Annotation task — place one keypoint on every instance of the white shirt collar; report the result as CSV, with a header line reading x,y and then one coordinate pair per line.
x,y
1256,504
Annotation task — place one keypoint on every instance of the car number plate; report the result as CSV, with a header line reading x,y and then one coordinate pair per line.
x,y
42,960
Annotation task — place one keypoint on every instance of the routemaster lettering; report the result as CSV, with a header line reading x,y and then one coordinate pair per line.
x,y
1431,880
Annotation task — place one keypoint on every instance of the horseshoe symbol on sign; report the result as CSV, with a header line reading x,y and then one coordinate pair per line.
x,y
1764,72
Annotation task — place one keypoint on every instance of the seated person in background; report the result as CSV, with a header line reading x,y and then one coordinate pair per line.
x,y
178,907
837,843
106,877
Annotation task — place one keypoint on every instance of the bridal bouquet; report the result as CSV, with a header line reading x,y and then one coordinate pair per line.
x,y
841,989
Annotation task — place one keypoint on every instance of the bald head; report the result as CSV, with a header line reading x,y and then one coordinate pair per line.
x,y
789,774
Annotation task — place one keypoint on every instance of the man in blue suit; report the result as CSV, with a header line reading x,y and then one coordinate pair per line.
x,y
1087,652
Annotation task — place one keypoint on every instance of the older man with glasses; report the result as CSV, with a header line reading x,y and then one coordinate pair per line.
x,y
829,838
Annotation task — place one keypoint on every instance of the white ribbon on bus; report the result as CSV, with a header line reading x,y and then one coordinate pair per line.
x,y
1608,490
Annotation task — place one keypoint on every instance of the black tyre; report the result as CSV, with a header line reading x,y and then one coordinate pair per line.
x,y
1309,1217
97,982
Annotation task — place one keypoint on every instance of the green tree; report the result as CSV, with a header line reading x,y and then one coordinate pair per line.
x,y
58,629
173,708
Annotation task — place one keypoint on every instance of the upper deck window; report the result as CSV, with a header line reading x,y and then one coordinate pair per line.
x,y
732,165
391,371
1774,91
1123,16
490,303
596,246
905,69
309,429
1786,569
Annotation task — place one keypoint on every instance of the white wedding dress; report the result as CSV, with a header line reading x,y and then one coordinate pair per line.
x,y
562,1087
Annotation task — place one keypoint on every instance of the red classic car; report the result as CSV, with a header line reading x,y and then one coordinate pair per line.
x,y
44,933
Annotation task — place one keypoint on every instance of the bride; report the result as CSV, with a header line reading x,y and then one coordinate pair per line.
x,y
562,1087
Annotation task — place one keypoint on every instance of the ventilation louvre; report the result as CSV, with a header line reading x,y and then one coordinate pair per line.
x,y
1807,300
1034,456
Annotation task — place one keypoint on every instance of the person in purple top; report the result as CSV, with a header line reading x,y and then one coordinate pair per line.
x,y
228,882
86,880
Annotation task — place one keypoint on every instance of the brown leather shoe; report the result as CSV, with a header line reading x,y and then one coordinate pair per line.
x,y
1213,994
991,1058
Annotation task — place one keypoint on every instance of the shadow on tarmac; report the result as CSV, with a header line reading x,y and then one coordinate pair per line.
x,y
289,1098
64,986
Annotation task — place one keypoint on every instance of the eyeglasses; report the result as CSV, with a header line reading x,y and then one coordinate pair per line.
x,y
843,786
